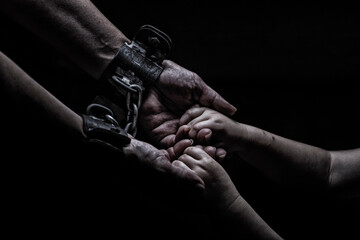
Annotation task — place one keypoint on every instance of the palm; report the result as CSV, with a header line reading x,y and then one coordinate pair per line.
x,y
176,90
157,121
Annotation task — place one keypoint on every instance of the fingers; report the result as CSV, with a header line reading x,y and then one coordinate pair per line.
x,y
190,114
178,163
182,133
195,157
202,140
189,161
181,170
199,124
202,136
217,153
212,99
196,152
210,150
220,154
167,141
179,148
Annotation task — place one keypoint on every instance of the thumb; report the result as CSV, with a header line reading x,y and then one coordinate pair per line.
x,y
210,98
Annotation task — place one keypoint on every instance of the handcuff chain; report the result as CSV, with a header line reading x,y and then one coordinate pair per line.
x,y
133,103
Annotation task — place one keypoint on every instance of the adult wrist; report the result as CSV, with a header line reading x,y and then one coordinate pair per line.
x,y
139,61
105,133
135,67
107,55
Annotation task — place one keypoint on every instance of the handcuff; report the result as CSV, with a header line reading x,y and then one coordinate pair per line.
x,y
114,112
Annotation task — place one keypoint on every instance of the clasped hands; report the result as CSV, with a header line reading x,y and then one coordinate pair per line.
x,y
176,90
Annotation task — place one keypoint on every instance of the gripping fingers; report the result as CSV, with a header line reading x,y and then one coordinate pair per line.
x,y
182,133
211,151
188,160
220,154
179,148
203,136
190,114
178,163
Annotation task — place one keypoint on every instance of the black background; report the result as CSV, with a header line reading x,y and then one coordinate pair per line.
x,y
290,69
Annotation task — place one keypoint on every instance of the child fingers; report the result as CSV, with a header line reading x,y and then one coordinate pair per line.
x,y
198,125
197,153
178,163
182,133
211,151
190,114
179,147
188,161
220,154
203,136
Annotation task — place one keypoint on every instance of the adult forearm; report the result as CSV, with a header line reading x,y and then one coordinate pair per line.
x,y
286,161
76,28
20,87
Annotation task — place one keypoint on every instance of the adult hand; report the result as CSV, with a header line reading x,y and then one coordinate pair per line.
x,y
143,154
176,90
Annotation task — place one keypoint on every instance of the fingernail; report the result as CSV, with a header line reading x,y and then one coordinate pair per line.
x,y
207,137
222,156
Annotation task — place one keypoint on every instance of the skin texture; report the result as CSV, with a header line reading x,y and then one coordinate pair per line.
x,y
88,39
222,197
76,28
283,160
160,160
83,34
19,86
176,90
